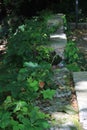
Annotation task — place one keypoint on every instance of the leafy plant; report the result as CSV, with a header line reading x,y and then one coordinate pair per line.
x,y
71,52
26,77
25,43
19,106
48,94
74,57
19,109
20,115
73,67
44,53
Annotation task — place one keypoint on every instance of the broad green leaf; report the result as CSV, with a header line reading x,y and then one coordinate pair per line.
x,y
4,119
22,74
33,84
37,114
14,123
45,124
20,105
8,100
48,93
42,123
18,127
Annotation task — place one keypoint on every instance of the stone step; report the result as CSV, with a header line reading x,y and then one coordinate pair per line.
x,y
58,43
80,80
57,36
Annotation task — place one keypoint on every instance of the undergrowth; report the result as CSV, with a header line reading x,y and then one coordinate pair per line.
x,y
25,76
73,57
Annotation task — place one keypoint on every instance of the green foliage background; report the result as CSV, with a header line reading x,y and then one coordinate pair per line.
x,y
25,65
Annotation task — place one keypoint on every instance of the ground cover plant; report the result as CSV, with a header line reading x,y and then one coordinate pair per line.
x,y
72,56
26,72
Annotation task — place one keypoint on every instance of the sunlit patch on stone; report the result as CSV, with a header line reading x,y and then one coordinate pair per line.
x,y
82,85
61,36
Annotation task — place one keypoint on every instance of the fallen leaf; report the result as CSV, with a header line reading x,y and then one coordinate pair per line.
x,y
41,84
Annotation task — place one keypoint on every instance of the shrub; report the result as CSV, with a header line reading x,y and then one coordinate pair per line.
x,y
27,42
71,52
74,58
18,109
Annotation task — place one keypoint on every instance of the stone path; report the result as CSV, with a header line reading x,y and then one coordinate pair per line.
x,y
58,41
80,80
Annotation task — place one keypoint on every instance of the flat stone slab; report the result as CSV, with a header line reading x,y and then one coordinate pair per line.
x,y
58,39
58,43
80,80
80,76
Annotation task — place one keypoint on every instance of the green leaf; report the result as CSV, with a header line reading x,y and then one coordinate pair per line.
x,y
8,100
27,123
4,119
22,74
18,127
48,94
33,84
15,127
42,124
36,114
20,105
14,123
